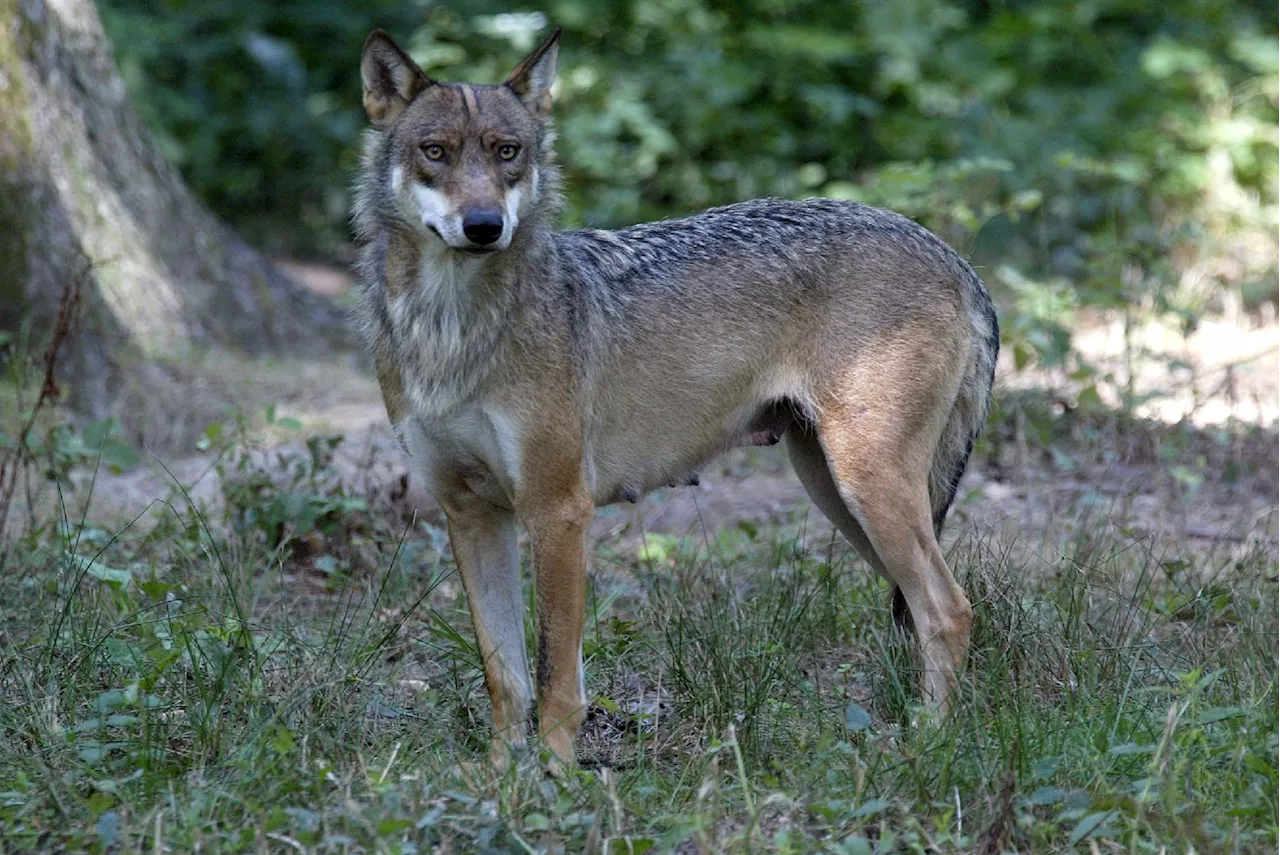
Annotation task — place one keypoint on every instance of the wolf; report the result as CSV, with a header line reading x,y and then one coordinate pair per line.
x,y
533,375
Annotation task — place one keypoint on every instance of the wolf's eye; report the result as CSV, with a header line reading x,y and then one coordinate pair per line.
x,y
508,151
433,151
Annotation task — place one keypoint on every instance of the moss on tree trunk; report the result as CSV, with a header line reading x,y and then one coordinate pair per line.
x,y
15,160
82,182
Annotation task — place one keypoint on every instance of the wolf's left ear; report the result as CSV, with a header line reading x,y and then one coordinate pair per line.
x,y
390,78
533,77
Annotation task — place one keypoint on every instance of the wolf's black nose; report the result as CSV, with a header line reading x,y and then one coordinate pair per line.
x,y
482,225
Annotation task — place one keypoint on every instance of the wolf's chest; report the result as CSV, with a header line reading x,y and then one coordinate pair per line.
x,y
443,349
476,444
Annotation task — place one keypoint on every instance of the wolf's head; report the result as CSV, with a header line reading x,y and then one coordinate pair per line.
x,y
462,161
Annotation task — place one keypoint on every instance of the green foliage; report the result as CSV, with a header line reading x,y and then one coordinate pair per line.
x,y
60,449
258,104
290,496
39,451
186,688
734,652
1098,151
290,501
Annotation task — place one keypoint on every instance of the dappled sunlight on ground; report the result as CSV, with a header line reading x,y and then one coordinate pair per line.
x,y
1212,486
1220,372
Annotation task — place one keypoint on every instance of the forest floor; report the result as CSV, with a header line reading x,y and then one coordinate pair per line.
x,y
264,646
1211,481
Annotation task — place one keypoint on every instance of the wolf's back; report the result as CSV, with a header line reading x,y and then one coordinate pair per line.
x,y
791,237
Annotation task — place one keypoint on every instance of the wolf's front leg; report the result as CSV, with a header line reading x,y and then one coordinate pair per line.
x,y
558,524
483,537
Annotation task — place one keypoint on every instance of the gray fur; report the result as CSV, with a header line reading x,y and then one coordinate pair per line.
x,y
793,251
543,372
737,280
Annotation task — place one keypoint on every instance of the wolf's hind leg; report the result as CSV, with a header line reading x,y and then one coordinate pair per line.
x,y
810,464
879,464
483,537
811,467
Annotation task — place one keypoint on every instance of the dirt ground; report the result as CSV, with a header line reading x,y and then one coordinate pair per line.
x,y
1030,493
1221,379
757,486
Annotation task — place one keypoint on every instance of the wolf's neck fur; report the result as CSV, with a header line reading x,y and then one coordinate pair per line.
x,y
446,317
445,312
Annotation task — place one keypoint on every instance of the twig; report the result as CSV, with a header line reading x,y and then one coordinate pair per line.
x,y
18,457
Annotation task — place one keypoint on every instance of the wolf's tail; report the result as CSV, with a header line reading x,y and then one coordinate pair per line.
x,y
972,402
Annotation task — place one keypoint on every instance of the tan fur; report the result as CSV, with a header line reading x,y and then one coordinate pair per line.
x,y
535,375
557,510
392,388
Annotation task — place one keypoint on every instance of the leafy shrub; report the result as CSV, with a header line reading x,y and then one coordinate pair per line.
x,y
1116,153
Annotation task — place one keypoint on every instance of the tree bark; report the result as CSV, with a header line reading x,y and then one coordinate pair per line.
x,y
81,183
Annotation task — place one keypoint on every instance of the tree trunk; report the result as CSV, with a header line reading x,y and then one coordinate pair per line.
x,y
81,183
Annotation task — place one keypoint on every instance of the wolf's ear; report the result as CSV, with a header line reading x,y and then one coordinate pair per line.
x,y
391,79
533,77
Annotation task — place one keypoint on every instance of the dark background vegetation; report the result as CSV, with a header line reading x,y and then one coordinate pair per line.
x,y
1109,160
1105,154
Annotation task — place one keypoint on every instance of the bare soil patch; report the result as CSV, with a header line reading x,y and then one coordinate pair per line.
x,y
1217,489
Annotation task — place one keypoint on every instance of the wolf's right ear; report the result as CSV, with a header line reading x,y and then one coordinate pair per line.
x,y
391,79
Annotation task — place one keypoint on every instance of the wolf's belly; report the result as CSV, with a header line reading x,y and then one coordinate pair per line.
x,y
633,459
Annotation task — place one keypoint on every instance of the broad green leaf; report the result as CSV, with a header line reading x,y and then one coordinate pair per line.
x,y
856,718
1089,824
113,576
870,808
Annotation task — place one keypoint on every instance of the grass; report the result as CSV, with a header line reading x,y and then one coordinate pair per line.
x,y
298,674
